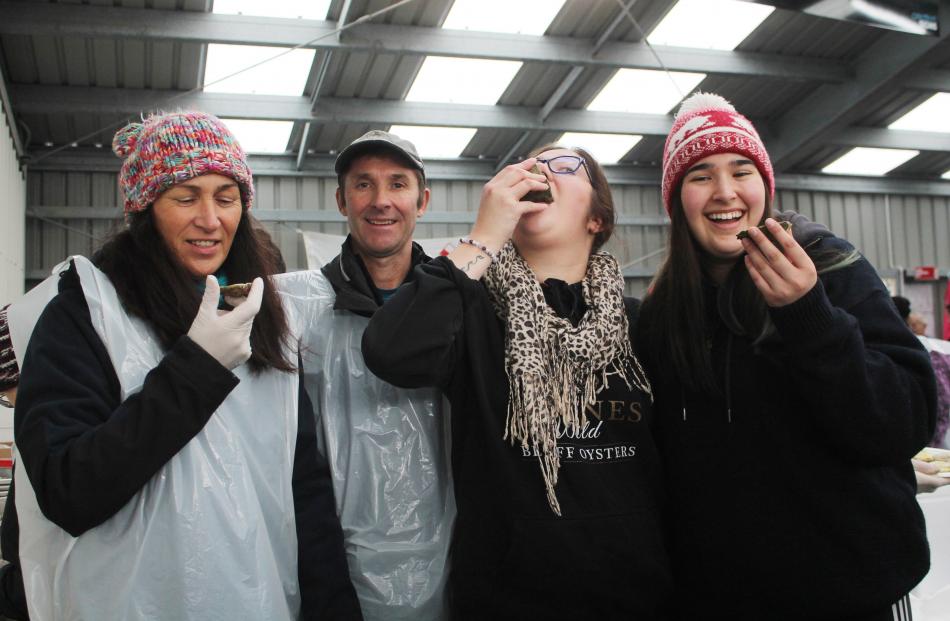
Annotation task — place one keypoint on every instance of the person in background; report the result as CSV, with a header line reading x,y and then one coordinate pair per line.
x,y
917,324
525,328
914,321
168,465
12,597
386,447
790,397
902,305
926,473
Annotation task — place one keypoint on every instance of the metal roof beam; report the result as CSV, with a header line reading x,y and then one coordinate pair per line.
x,y
929,80
832,107
18,145
891,139
102,160
132,102
61,20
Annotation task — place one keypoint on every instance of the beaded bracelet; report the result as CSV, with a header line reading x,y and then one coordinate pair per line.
x,y
477,244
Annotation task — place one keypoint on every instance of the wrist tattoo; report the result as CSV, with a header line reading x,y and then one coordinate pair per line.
x,y
471,264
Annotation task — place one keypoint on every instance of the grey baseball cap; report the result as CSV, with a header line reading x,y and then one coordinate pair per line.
x,y
378,140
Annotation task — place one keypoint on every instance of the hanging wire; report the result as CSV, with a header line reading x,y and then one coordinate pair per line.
x,y
643,37
66,227
168,100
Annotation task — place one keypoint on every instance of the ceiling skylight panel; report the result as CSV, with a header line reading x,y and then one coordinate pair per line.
x,y
462,80
869,162
261,136
606,148
285,75
932,115
709,24
518,17
644,91
304,9
436,142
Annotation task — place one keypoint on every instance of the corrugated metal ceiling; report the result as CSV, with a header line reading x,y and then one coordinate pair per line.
x,y
72,61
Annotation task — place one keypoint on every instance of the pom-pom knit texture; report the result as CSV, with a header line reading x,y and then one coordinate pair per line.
x,y
705,125
168,149
9,369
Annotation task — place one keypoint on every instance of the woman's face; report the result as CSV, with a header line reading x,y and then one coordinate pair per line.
x,y
722,195
197,220
565,221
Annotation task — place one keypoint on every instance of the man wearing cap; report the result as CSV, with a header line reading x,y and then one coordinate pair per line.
x,y
386,446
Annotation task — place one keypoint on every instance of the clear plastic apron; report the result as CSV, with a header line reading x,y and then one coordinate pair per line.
x,y
388,452
211,536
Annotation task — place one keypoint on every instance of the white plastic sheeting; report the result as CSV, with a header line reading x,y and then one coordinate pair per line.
x,y
211,536
388,453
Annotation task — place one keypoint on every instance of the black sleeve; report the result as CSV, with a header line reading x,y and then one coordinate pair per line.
x,y
413,340
85,452
12,595
326,591
868,381
10,526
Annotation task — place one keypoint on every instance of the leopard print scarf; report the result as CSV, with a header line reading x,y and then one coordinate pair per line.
x,y
554,369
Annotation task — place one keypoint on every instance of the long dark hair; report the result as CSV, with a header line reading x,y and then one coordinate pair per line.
x,y
675,308
153,286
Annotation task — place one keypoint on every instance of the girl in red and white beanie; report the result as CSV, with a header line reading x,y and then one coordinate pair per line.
x,y
705,125
783,375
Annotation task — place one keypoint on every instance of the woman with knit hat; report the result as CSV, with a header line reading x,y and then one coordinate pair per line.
x,y
789,397
525,328
167,455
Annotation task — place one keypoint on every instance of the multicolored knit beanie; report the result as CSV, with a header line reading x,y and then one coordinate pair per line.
x,y
9,370
705,125
167,149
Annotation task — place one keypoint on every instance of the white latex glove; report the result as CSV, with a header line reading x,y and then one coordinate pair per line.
x,y
226,335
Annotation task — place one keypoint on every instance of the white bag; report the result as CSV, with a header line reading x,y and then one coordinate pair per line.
x,y
211,536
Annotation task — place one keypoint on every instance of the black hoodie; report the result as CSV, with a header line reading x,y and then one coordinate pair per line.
x,y
793,495
512,557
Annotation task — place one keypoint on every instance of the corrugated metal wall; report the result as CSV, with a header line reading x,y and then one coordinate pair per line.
x,y
920,224
12,209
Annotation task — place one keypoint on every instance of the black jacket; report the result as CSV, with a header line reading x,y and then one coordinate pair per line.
x,y
87,454
512,557
793,495
352,284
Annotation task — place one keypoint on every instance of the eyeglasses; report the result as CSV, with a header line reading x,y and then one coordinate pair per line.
x,y
4,402
566,165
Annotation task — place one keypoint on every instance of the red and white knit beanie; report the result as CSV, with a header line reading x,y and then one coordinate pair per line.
x,y
705,125
167,149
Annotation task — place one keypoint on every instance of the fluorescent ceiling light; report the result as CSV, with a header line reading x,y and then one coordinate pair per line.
x,y
945,175
606,148
462,80
306,9
284,75
436,142
644,91
261,136
709,24
868,162
530,18
932,115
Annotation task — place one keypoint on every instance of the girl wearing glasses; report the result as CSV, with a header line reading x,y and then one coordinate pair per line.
x,y
789,397
525,328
